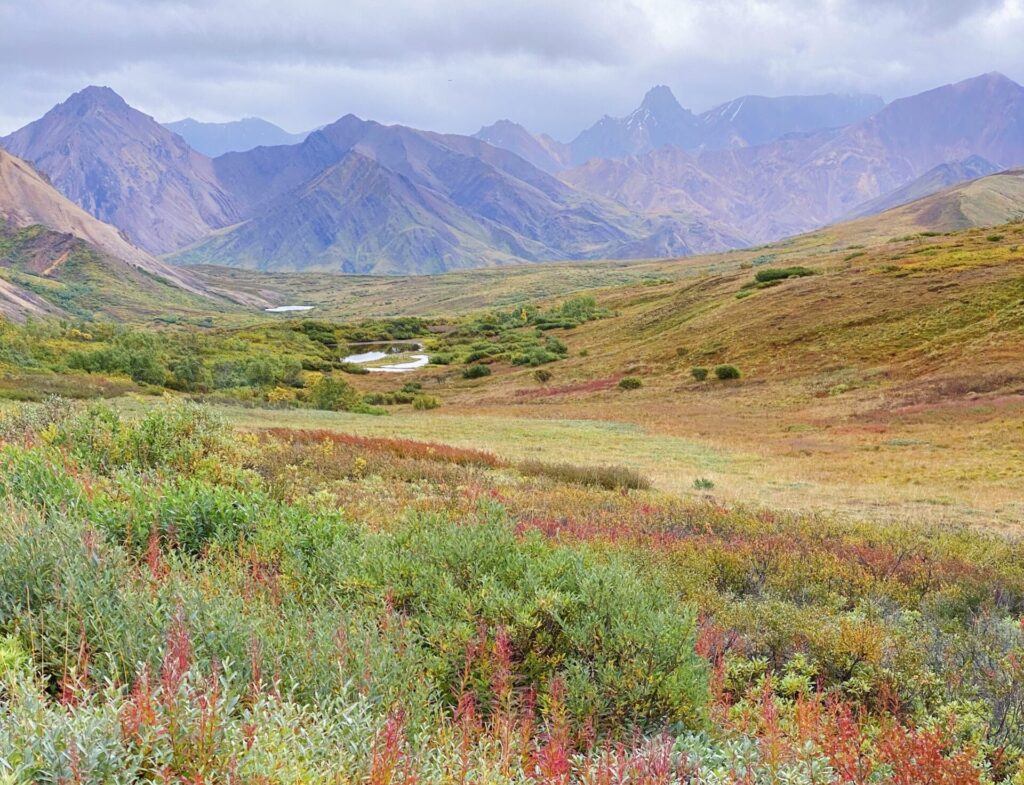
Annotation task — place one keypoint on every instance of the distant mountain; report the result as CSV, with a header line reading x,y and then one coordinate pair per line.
x,y
934,180
215,139
657,122
800,182
547,154
358,196
660,121
126,169
754,119
45,236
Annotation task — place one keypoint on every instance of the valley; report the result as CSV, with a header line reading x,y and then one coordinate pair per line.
x,y
690,450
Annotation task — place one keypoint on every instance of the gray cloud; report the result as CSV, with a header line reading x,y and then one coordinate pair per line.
x,y
555,65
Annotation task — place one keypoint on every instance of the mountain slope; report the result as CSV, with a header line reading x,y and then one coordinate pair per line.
x,y
126,169
418,201
213,139
56,257
943,176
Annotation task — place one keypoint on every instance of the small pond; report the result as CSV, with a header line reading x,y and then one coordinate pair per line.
x,y
389,357
289,308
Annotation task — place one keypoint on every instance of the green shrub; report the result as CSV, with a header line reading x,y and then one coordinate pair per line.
x,y
703,484
630,383
727,372
781,273
476,371
994,238
699,373
333,394
542,375
425,402
440,359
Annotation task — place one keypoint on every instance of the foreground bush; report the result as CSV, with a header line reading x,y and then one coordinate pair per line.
x,y
136,557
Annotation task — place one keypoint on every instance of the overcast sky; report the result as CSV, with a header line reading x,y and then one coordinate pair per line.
x,y
454,65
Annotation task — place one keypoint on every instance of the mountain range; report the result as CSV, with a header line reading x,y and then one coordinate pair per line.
x,y
215,139
360,197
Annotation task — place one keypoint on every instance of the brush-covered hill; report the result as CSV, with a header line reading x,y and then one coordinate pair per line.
x,y
927,291
55,258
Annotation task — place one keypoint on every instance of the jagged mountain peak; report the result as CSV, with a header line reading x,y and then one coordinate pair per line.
x,y
660,98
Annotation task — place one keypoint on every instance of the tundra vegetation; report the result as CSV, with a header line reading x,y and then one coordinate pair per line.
x,y
297,595
184,602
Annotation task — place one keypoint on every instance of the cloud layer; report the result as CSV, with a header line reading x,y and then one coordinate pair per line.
x,y
555,65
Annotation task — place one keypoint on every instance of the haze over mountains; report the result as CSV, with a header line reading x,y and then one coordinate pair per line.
x,y
215,139
358,196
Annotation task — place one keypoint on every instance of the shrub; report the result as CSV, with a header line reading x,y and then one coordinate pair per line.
x,y
698,373
610,477
781,273
630,383
994,238
703,484
542,375
425,402
440,359
476,372
333,394
727,372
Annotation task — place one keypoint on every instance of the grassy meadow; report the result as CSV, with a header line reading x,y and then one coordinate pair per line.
x,y
744,519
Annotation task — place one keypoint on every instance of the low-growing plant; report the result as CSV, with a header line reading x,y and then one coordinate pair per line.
x,y
476,371
610,477
724,372
781,273
542,375
425,402
630,383
699,373
703,484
